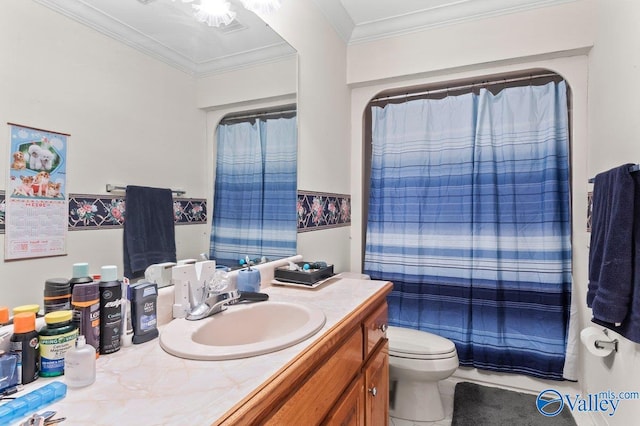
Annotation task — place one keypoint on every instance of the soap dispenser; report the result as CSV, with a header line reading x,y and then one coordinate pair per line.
x,y
80,364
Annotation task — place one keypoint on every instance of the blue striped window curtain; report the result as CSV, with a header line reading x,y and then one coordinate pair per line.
x,y
469,217
254,210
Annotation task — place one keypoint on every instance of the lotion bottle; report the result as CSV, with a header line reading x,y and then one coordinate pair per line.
x,y
80,364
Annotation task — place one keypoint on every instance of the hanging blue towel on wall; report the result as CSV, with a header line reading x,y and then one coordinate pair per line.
x,y
614,255
149,229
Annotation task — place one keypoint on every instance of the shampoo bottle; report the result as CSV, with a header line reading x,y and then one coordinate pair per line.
x,y
110,309
86,312
80,364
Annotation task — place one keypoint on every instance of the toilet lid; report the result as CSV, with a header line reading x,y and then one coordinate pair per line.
x,y
415,342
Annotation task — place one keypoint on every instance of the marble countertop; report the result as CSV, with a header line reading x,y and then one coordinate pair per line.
x,y
142,384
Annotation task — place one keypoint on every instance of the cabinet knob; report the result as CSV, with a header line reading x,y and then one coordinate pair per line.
x,y
383,327
373,391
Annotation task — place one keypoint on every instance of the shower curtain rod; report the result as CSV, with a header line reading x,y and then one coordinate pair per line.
x,y
467,86
289,110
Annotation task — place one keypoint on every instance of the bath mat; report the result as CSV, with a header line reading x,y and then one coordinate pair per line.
x,y
487,406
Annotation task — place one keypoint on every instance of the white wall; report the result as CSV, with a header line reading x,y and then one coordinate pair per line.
x,y
132,120
248,86
614,139
323,118
542,31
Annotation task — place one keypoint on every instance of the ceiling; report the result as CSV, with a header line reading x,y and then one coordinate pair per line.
x,y
167,30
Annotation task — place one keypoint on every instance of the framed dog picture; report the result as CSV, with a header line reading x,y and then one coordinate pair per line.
x,y
36,202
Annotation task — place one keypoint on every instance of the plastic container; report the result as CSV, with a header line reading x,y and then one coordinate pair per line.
x,y
248,280
110,309
308,276
8,373
80,363
143,312
24,343
4,315
80,275
57,295
56,338
85,300
32,402
35,309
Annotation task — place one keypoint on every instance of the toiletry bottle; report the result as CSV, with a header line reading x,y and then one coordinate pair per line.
x,y
24,343
56,338
80,364
126,337
80,275
110,309
34,308
5,329
85,300
4,316
143,311
57,295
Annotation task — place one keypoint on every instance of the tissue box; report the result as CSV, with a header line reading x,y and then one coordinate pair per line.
x,y
308,277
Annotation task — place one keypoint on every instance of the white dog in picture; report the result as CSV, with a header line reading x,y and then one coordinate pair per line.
x,y
46,158
35,163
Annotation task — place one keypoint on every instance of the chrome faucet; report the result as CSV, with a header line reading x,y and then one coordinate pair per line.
x,y
216,297
214,303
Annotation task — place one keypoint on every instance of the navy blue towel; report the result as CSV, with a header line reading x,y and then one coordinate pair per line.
x,y
611,256
149,229
630,326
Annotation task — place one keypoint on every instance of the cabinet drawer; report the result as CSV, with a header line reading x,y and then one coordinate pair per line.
x,y
375,328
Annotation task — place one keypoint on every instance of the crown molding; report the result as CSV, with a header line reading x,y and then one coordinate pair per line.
x,y
338,17
453,13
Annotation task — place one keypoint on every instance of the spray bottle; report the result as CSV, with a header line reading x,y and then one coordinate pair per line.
x,y
110,309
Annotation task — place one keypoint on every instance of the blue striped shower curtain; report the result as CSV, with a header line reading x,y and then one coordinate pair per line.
x,y
254,210
469,216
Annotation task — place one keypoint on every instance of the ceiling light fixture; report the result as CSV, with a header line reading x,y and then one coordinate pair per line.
x,y
262,6
218,12
214,12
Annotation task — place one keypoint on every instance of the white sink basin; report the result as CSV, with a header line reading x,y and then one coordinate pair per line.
x,y
242,331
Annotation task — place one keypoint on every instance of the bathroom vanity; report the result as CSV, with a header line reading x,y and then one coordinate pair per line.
x,y
337,376
342,378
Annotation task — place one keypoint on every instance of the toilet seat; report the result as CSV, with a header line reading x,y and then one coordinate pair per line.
x,y
416,344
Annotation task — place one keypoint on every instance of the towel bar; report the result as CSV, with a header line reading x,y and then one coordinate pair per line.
x,y
110,188
633,168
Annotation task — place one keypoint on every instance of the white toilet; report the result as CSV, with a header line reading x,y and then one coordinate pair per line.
x,y
417,361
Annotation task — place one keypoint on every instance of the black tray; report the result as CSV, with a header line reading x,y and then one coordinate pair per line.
x,y
308,277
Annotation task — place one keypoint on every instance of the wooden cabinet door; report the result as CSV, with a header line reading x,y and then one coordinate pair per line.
x,y
376,377
311,401
350,409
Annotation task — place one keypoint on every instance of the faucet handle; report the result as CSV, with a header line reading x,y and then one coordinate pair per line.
x,y
218,283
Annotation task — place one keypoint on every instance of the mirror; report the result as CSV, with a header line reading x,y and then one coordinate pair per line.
x,y
138,85
168,30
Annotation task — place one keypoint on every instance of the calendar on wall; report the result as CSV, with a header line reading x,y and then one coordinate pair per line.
x,y
36,204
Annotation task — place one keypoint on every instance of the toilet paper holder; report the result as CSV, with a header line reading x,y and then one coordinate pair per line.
x,y
607,344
